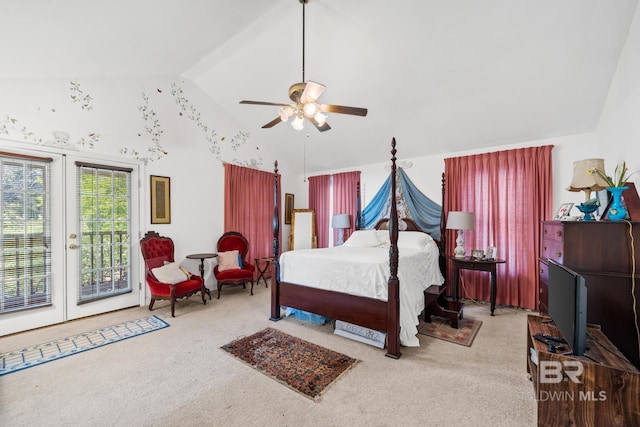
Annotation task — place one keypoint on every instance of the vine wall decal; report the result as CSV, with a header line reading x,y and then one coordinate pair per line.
x,y
60,139
77,95
153,128
215,144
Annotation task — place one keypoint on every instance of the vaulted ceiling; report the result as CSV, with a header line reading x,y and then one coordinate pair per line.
x,y
439,75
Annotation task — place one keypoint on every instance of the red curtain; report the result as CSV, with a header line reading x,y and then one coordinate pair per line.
x,y
248,207
345,192
319,188
510,193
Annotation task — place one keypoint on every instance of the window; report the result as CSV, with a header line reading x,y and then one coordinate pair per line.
x,y
104,230
25,234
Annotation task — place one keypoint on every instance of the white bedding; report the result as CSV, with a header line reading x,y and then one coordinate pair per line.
x,y
362,269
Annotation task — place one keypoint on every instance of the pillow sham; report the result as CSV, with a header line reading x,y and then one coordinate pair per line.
x,y
383,238
413,240
228,260
171,272
362,239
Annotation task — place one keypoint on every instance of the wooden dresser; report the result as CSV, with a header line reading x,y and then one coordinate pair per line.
x,y
602,252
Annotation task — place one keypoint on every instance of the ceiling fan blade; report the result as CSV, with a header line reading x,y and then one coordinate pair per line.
x,y
264,103
312,92
325,126
341,109
272,123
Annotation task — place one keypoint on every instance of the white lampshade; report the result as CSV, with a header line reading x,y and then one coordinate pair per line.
x,y
320,118
340,221
457,220
310,109
298,122
582,180
460,221
285,113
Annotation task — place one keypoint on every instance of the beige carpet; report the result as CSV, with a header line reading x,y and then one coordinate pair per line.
x,y
179,375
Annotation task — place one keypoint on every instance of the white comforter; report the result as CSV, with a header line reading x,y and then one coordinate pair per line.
x,y
364,271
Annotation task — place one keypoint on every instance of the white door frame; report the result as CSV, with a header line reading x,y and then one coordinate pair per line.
x,y
63,303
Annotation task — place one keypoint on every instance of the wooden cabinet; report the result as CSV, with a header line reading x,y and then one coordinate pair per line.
x,y
551,247
601,390
607,255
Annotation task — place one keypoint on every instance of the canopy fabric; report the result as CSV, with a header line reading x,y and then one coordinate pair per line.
x,y
410,203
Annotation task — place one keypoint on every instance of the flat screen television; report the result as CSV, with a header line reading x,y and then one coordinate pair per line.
x,y
568,305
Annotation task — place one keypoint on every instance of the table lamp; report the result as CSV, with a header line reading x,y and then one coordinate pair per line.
x,y
584,181
340,221
460,221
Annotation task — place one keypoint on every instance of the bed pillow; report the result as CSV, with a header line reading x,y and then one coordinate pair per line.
x,y
413,240
228,260
363,239
383,238
171,272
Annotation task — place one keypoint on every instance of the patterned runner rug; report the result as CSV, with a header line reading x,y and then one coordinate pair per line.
x,y
305,367
32,356
440,328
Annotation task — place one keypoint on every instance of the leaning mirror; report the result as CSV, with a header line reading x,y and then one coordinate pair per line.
x,y
303,229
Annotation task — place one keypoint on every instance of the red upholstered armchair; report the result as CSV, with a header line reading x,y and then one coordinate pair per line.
x,y
230,271
157,251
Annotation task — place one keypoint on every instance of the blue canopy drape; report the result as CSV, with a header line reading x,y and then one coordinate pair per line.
x,y
410,202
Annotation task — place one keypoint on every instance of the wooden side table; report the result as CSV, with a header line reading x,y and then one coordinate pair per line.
x,y
202,257
262,265
469,263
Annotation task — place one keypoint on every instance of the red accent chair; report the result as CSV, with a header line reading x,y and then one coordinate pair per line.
x,y
229,241
156,250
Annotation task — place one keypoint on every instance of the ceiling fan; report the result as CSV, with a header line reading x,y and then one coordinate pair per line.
x,y
304,97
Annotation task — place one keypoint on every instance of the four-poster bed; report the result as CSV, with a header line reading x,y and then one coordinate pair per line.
x,y
381,312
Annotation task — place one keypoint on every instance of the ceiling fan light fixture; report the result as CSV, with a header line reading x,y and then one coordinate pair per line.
x,y
310,109
320,118
298,122
285,113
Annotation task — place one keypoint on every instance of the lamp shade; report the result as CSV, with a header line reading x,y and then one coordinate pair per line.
x,y
340,221
582,180
457,220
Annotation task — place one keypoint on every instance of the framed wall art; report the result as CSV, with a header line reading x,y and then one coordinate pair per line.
x,y
160,200
288,207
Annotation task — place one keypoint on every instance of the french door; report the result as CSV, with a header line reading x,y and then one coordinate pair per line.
x,y
67,232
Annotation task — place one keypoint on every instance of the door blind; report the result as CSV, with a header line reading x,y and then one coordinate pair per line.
x,y
25,232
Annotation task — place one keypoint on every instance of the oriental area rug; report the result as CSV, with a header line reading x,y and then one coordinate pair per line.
x,y
441,329
28,357
300,365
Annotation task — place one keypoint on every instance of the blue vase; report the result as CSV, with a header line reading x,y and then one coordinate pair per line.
x,y
617,210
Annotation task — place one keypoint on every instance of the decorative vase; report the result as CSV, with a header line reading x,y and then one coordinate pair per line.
x,y
588,211
617,210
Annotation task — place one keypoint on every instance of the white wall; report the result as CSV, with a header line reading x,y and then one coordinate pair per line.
x,y
619,127
30,110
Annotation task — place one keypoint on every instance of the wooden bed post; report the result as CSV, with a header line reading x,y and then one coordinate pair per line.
x,y
442,243
275,265
358,220
393,299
